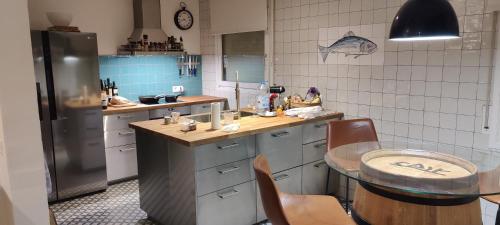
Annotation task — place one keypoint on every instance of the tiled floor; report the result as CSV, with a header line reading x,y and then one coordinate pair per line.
x,y
119,205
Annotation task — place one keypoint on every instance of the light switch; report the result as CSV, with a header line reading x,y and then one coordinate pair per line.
x,y
178,89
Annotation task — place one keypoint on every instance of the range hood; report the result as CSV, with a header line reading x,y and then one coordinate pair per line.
x,y
147,21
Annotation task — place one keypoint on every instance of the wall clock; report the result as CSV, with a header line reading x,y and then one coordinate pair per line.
x,y
183,18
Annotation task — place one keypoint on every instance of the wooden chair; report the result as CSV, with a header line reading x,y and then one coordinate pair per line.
x,y
495,199
343,132
287,209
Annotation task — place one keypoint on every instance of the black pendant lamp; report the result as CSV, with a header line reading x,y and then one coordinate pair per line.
x,y
425,20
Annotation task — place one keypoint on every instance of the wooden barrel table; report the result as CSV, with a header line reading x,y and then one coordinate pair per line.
x,y
427,188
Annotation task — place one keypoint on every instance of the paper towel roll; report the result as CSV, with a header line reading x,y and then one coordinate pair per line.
x,y
215,115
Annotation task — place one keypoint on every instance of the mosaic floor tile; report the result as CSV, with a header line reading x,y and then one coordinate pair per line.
x,y
119,205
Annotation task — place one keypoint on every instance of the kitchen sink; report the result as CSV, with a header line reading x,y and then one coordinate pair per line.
x,y
205,117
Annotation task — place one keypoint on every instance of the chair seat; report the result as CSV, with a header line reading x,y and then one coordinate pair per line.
x,y
314,210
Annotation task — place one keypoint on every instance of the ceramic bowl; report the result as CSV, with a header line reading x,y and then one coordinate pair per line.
x,y
59,18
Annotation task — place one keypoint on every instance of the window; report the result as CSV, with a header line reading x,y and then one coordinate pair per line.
x,y
245,53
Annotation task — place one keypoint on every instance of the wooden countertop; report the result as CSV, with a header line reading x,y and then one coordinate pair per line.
x,y
205,135
186,100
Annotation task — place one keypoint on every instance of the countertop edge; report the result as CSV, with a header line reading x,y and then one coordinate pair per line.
x,y
337,115
140,108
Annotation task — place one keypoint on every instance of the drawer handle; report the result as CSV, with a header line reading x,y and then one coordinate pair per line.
x,y
233,145
228,170
321,145
322,163
228,194
280,134
125,117
127,150
281,177
205,106
126,133
320,125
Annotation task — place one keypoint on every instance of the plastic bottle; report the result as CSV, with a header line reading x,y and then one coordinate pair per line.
x,y
263,98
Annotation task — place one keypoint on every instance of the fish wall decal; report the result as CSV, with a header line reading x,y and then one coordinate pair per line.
x,y
349,44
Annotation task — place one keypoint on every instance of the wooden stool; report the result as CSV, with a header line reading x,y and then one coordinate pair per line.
x,y
343,132
495,199
286,209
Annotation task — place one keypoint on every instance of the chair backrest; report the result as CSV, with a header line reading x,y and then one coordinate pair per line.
x,y
269,193
343,132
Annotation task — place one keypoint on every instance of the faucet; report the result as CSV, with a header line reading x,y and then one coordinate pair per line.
x,y
237,90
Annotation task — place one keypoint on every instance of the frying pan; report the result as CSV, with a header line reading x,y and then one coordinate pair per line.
x,y
150,99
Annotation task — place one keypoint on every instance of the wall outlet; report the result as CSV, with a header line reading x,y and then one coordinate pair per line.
x,y
177,89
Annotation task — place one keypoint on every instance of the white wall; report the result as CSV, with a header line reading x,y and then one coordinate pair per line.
x,y
113,20
192,36
493,5
23,198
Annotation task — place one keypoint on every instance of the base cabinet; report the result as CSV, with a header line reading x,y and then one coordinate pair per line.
x,y
288,181
231,206
314,178
121,162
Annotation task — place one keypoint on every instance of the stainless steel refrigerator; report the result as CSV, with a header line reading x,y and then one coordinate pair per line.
x,y
67,76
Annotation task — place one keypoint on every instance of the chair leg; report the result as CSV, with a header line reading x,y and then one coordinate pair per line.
x,y
347,194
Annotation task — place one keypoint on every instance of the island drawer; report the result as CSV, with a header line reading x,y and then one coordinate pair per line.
x,y
314,132
121,121
121,162
232,206
314,177
283,147
160,113
314,151
119,137
289,181
223,176
223,152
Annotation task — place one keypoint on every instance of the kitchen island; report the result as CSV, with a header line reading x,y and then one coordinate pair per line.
x,y
205,177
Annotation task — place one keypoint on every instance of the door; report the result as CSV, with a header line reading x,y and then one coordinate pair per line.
x,y
44,113
76,113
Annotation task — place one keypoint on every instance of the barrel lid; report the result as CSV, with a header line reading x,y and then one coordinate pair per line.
x,y
419,168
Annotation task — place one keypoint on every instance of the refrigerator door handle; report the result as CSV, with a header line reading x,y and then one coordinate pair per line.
x,y
39,100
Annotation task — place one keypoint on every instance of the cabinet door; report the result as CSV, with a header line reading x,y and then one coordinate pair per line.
x,y
314,176
121,121
119,137
223,176
282,148
288,181
314,131
314,151
121,162
227,151
231,206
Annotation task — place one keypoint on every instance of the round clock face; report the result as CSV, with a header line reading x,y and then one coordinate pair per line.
x,y
183,19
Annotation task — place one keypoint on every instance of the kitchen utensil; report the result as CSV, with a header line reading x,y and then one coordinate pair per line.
x,y
171,98
150,99
59,18
175,117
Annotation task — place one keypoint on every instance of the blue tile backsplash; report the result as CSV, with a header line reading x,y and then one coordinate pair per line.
x,y
147,75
